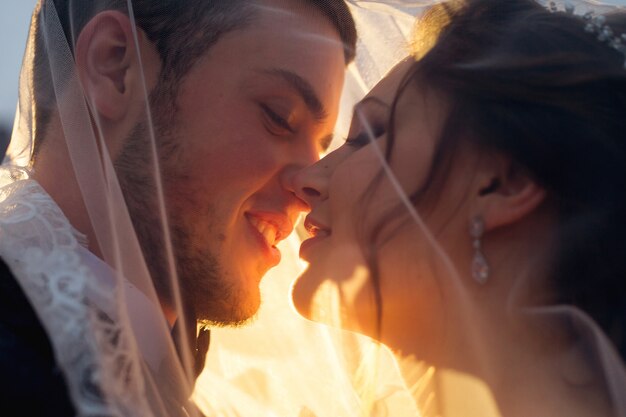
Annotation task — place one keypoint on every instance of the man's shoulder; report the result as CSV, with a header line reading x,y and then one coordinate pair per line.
x,y
16,313
30,380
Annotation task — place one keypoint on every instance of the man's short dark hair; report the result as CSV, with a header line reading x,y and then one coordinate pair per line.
x,y
182,30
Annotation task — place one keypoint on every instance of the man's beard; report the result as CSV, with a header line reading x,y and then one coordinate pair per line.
x,y
205,292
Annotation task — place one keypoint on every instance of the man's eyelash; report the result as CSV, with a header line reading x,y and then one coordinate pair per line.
x,y
276,119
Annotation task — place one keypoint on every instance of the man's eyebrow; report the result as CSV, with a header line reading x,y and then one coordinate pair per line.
x,y
304,89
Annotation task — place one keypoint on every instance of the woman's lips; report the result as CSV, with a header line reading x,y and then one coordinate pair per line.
x,y
305,247
315,227
318,232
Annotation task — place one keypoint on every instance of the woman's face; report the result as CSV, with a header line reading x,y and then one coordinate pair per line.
x,y
349,202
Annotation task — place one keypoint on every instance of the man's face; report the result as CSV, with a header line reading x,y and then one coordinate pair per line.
x,y
260,105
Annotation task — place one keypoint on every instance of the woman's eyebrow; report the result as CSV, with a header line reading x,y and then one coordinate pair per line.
x,y
360,107
371,99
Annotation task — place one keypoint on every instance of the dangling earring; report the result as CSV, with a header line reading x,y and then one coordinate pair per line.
x,y
480,268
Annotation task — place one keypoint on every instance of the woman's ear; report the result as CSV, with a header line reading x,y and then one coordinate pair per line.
x,y
507,194
106,57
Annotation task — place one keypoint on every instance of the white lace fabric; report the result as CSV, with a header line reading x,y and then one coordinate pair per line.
x,y
42,250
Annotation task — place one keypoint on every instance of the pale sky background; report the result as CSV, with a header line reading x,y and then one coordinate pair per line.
x,y
14,21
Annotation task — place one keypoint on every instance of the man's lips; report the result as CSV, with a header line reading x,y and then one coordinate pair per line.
x,y
272,226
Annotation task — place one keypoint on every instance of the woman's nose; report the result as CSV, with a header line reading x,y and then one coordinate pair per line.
x,y
311,183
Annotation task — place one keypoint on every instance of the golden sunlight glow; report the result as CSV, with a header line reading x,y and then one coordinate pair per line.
x,y
285,365
325,306
465,395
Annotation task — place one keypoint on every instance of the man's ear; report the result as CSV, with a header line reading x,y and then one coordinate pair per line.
x,y
106,59
506,194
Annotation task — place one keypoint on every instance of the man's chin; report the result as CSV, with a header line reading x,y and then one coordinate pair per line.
x,y
232,321
234,314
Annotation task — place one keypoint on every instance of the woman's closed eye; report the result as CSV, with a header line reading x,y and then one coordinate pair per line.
x,y
370,120
275,123
365,137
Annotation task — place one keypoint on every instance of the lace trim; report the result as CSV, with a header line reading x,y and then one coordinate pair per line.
x,y
101,368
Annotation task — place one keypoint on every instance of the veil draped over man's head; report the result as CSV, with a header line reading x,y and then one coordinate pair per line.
x,y
109,334
116,130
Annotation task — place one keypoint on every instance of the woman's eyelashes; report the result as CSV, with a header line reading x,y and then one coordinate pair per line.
x,y
365,137
275,123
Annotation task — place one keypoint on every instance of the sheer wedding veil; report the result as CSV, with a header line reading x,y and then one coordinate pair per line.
x,y
280,364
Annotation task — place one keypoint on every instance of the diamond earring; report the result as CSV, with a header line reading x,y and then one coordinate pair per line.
x,y
480,268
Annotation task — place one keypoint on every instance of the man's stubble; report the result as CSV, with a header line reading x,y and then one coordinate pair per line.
x,y
205,289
